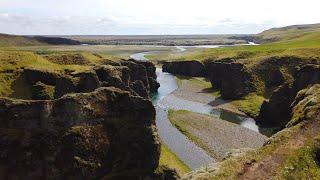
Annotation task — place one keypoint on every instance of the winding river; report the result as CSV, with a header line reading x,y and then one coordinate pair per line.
x,y
185,149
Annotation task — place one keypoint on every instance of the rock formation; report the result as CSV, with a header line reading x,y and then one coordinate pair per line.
x,y
93,124
233,79
137,77
276,111
185,68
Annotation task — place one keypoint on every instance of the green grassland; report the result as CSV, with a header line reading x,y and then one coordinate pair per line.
x,y
290,42
295,42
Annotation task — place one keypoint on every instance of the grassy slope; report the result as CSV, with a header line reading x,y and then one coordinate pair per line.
x,y
13,61
289,32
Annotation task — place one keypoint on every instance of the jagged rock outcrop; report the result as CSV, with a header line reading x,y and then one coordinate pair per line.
x,y
80,136
276,111
233,79
185,68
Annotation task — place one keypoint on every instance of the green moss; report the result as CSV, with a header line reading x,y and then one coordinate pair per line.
x,y
249,104
47,91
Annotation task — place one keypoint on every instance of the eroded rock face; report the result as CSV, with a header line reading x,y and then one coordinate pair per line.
x,y
79,136
305,76
185,68
35,75
277,111
274,71
233,79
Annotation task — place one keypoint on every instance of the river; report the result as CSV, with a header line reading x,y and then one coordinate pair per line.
x,y
185,149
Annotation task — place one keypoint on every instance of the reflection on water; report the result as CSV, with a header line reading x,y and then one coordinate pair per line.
x,y
241,120
247,122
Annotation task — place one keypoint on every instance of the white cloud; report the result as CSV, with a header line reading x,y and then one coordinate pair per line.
x,y
152,16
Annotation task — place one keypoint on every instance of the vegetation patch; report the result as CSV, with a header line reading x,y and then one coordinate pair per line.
x,y
65,59
249,104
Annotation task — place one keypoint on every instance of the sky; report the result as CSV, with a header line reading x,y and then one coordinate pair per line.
x,y
158,17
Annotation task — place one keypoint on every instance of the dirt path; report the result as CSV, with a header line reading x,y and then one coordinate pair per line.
x,y
269,164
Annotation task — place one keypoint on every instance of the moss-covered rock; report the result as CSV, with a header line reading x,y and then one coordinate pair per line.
x,y
42,91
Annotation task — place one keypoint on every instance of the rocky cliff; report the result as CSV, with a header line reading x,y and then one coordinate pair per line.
x,y
276,111
78,136
233,79
88,124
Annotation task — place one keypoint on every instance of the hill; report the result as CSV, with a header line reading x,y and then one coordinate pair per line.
x,y
15,40
288,33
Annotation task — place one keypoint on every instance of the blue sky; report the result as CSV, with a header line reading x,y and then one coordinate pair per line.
x,y
65,17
